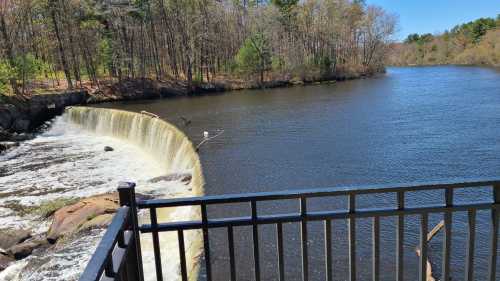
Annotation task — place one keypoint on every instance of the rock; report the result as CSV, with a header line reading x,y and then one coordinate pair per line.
x,y
23,250
9,238
108,148
183,177
5,261
69,219
7,145
21,125
22,136
4,135
101,221
8,113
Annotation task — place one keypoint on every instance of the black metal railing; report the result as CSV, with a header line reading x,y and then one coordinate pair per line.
x,y
121,240
117,256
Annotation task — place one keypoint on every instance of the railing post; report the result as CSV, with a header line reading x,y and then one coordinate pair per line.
x,y
126,192
494,231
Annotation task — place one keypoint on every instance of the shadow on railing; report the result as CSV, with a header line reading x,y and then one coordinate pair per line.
x,y
117,258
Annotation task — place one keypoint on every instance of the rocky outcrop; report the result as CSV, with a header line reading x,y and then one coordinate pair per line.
x,y
89,213
22,115
69,219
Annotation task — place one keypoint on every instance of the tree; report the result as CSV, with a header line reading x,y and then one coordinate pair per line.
x,y
254,56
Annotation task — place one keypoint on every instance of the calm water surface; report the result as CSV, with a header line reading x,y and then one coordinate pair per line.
x,y
412,124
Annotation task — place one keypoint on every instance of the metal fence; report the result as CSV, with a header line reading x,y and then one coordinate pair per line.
x,y
117,257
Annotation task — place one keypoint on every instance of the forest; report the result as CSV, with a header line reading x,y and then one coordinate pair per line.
x,y
51,45
473,43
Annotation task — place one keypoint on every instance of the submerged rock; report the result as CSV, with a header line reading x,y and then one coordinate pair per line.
x,y
183,177
9,238
5,261
108,148
69,219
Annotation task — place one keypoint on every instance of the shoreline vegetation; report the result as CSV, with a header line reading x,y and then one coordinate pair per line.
x,y
122,50
473,43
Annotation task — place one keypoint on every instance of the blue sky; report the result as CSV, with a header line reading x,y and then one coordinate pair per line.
x,y
431,16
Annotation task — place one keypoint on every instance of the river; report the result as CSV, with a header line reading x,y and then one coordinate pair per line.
x,y
412,124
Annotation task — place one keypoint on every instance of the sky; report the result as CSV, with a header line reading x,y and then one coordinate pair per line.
x,y
433,16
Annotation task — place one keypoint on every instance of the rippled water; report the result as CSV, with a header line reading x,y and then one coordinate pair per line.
x,y
412,124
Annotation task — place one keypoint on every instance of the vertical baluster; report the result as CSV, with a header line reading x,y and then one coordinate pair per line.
x,y
447,235
423,247
108,268
182,254
156,244
126,192
400,237
303,229
255,237
281,265
376,249
328,250
352,238
494,232
232,264
206,241
469,256
122,276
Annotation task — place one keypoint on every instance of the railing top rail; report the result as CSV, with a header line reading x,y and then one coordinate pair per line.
x,y
319,192
97,263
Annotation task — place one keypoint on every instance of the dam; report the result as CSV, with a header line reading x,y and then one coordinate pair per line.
x,y
147,148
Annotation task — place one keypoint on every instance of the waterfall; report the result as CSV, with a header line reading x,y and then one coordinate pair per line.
x,y
174,153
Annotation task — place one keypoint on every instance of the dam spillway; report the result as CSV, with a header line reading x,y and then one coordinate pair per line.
x,y
70,163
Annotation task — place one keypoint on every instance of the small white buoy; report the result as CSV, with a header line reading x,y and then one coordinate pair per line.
x,y
205,134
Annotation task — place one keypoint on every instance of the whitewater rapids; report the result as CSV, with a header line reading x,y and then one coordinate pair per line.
x,y
68,161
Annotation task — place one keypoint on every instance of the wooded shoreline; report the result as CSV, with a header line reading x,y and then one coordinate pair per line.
x,y
22,117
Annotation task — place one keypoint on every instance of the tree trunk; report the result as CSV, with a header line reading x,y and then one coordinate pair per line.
x,y
61,48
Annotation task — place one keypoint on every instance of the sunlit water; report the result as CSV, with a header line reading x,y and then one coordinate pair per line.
x,y
68,162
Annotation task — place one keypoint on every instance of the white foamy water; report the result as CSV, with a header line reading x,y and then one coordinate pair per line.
x,y
69,161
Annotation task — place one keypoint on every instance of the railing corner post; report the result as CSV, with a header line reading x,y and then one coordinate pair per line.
x,y
126,193
496,193
494,232
126,190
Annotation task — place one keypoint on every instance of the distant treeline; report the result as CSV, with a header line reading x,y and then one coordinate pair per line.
x,y
473,43
66,44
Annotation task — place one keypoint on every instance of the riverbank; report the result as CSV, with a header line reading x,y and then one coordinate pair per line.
x,y
21,118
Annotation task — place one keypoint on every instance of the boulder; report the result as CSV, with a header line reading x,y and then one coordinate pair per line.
x,y
69,219
23,250
5,261
9,238
183,177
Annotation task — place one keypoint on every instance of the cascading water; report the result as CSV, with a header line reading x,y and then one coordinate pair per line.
x,y
68,161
